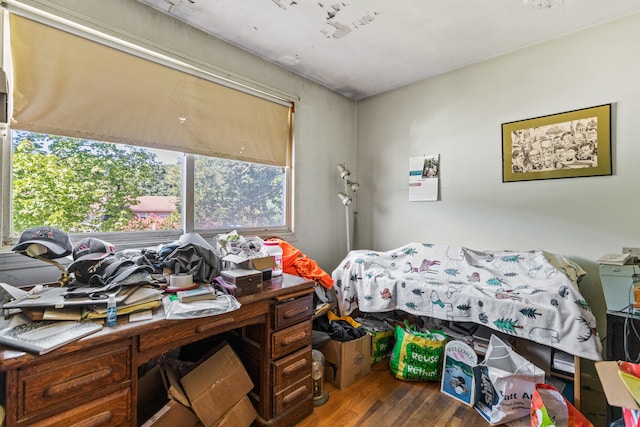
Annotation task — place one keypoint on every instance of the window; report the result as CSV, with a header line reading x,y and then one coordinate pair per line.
x,y
93,161
231,194
86,186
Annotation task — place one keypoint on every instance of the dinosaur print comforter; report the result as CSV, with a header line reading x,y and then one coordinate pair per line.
x,y
532,295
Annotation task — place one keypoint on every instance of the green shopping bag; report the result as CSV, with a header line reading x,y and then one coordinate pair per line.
x,y
417,356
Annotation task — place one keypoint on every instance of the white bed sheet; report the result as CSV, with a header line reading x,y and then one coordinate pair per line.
x,y
532,295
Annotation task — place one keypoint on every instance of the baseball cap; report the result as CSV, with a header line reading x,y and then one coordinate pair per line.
x,y
84,270
56,241
91,248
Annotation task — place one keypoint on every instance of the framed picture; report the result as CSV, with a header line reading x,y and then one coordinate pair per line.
x,y
565,145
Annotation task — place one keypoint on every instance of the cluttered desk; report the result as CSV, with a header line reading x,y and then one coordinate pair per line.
x,y
61,363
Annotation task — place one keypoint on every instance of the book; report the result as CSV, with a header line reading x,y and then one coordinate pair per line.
x,y
457,375
67,313
142,294
202,292
43,336
140,299
101,312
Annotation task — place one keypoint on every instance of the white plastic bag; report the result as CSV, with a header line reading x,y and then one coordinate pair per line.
x,y
504,383
174,309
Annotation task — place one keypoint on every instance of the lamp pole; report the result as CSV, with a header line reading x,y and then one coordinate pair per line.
x,y
346,210
346,199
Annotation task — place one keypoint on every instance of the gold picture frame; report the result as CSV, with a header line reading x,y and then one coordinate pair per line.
x,y
565,145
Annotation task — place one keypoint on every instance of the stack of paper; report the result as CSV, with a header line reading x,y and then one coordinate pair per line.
x,y
202,292
53,303
482,335
563,362
47,317
615,259
142,298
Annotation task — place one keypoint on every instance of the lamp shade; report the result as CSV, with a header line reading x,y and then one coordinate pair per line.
x,y
344,172
346,200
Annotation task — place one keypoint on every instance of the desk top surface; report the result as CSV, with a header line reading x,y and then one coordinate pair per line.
x,y
278,288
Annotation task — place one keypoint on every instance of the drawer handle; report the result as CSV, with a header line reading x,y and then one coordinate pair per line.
x,y
295,312
294,338
67,386
209,326
294,367
95,421
294,395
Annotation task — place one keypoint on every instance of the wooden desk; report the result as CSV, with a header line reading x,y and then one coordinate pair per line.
x,y
94,381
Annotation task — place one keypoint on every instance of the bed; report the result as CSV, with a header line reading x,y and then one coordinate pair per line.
x,y
532,295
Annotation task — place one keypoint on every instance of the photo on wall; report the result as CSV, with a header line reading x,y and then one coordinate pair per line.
x,y
565,145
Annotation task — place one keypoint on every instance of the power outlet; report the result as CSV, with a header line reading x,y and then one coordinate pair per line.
x,y
633,251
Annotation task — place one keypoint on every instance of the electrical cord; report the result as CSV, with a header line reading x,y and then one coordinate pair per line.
x,y
629,325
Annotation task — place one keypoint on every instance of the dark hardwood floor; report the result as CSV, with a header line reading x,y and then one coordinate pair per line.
x,y
380,400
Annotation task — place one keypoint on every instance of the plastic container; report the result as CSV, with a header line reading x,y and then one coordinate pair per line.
x,y
112,315
274,249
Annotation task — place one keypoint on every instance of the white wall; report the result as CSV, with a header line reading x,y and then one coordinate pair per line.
x,y
324,120
459,115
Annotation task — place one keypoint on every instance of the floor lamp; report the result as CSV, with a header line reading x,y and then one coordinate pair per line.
x,y
346,199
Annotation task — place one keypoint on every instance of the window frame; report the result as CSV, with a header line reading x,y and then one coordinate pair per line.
x,y
145,50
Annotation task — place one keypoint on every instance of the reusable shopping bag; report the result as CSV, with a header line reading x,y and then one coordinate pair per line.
x,y
549,408
417,356
504,383
631,417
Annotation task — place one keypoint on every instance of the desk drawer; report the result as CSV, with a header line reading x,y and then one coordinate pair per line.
x,y
291,312
56,382
184,331
111,410
293,395
290,369
291,339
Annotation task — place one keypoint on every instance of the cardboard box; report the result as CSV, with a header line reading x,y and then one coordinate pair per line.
x,y
264,264
348,361
216,385
614,388
241,415
157,407
173,414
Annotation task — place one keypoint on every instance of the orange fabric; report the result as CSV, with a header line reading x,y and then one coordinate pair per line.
x,y
296,263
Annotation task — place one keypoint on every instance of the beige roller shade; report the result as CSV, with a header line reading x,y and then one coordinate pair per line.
x,y
67,85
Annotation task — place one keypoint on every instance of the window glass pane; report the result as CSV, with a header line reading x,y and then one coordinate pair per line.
x,y
234,194
84,186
